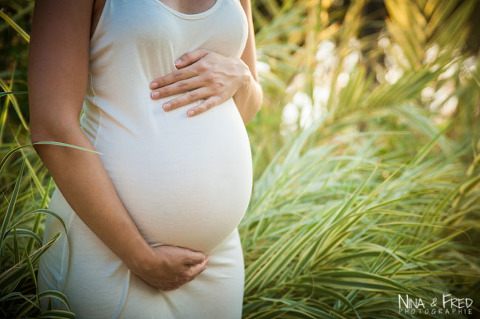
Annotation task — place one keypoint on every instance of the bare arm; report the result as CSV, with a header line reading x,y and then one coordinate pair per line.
x,y
249,97
57,79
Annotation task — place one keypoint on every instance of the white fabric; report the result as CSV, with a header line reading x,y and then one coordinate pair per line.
x,y
184,181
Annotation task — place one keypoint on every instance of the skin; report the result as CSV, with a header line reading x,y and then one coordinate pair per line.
x,y
57,79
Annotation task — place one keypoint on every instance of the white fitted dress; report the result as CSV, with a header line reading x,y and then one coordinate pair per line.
x,y
185,181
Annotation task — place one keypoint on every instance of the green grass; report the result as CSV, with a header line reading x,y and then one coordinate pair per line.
x,y
342,228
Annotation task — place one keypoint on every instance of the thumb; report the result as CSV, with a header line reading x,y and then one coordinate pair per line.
x,y
190,58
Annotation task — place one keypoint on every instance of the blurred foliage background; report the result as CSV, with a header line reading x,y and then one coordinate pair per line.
x,y
366,161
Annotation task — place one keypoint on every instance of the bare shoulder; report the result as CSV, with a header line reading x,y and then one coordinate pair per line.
x,y
58,18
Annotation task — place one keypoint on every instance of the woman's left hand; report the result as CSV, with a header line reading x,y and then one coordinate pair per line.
x,y
201,75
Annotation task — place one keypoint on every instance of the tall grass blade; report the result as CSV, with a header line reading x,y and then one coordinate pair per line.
x,y
10,209
15,26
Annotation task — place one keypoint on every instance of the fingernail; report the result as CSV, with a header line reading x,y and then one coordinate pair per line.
x,y
190,113
153,85
179,61
166,106
155,94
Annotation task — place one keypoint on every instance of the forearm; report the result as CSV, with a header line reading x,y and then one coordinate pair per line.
x,y
87,188
248,99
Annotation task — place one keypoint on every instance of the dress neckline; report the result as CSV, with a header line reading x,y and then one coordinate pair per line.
x,y
193,16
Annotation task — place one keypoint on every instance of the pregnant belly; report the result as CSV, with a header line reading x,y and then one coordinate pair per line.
x,y
185,182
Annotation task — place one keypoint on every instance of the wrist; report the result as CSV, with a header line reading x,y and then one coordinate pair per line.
x,y
141,258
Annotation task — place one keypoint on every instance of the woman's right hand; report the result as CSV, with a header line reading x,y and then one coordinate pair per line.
x,y
169,267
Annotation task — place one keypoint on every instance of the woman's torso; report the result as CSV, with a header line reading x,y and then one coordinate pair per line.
x,y
185,181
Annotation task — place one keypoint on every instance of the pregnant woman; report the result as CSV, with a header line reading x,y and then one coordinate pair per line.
x,y
166,87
